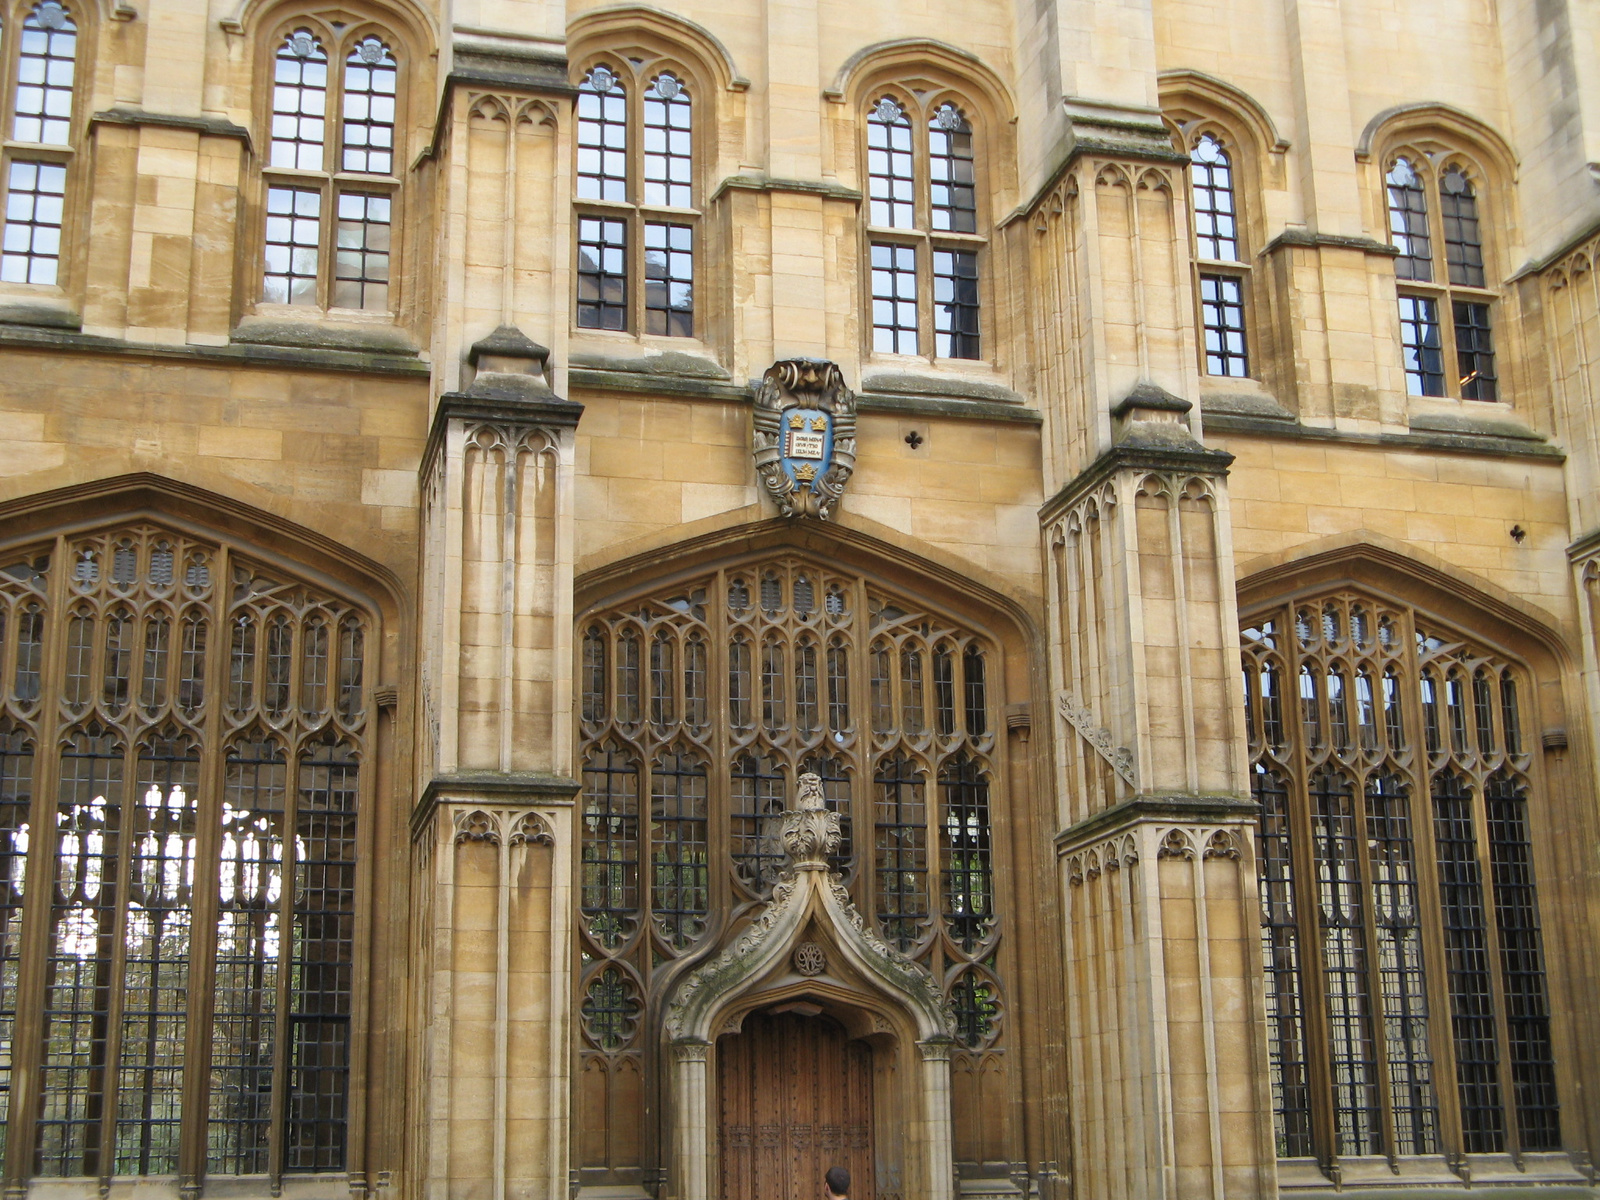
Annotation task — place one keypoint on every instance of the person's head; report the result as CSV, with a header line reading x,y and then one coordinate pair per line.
x,y
838,1182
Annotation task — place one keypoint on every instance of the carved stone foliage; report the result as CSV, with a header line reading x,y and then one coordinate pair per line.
x,y
804,888
804,442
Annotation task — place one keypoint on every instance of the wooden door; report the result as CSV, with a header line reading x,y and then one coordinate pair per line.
x,y
795,1097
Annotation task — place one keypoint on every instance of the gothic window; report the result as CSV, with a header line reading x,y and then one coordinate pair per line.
x,y
924,247
187,776
637,199
1407,1007
1222,271
1446,301
706,702
42,55
331,170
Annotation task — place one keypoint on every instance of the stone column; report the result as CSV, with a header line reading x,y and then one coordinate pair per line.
x,y
938,1154
1166,1053
494,831
691,1119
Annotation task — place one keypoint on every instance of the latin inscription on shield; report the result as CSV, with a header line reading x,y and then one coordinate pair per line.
x,y
807,446
804,440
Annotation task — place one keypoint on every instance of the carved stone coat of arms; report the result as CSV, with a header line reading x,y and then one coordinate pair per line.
x,y
805,436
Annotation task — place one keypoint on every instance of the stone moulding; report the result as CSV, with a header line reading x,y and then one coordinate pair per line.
x,y
1098,737
807,887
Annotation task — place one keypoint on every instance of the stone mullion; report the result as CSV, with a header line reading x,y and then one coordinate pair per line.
x,y
204,898
28,1038
1377,1008
375,766
288,940
1308,908
118,961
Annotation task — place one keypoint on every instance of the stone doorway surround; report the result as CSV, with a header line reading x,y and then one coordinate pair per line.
x,y
877,990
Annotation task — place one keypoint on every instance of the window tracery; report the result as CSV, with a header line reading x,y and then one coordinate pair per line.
x,y
181,662
332,194
1393,781
1445,316
636,196
713,697
924,247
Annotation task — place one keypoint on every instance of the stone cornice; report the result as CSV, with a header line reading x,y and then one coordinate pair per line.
x,y
551,413
1306,239
1134,456
207,126
56,340
802,187
1462,442
1147,809
505,787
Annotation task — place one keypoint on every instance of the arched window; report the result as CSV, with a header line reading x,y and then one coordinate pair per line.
x,y
1407,1006
331,170
922,229
192,769
42,61
636,192
711,699
1446,336
1222,270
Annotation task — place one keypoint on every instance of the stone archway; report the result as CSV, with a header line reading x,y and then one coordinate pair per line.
x,y
881,991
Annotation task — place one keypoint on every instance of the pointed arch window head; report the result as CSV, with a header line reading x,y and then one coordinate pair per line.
x,y
334,113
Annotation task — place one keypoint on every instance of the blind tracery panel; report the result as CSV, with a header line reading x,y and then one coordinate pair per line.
x,y
1406,996
707,701
147,929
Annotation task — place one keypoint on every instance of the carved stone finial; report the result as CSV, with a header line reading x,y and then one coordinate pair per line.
x,y
804,442
810,831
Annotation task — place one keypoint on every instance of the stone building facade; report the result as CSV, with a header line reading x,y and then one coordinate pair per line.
x,y
629,601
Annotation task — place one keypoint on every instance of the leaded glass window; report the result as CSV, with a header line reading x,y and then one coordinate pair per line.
x,y
636,197
699,708
192,773
1431,207
34,168
1407,1004
924,247
333,113
1224,282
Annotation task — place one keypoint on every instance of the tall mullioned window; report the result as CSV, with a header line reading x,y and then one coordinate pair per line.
x,y
925,249
1407,1006
331,169
701,705
1222,272
38,79
636,197
183,740
1446,301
